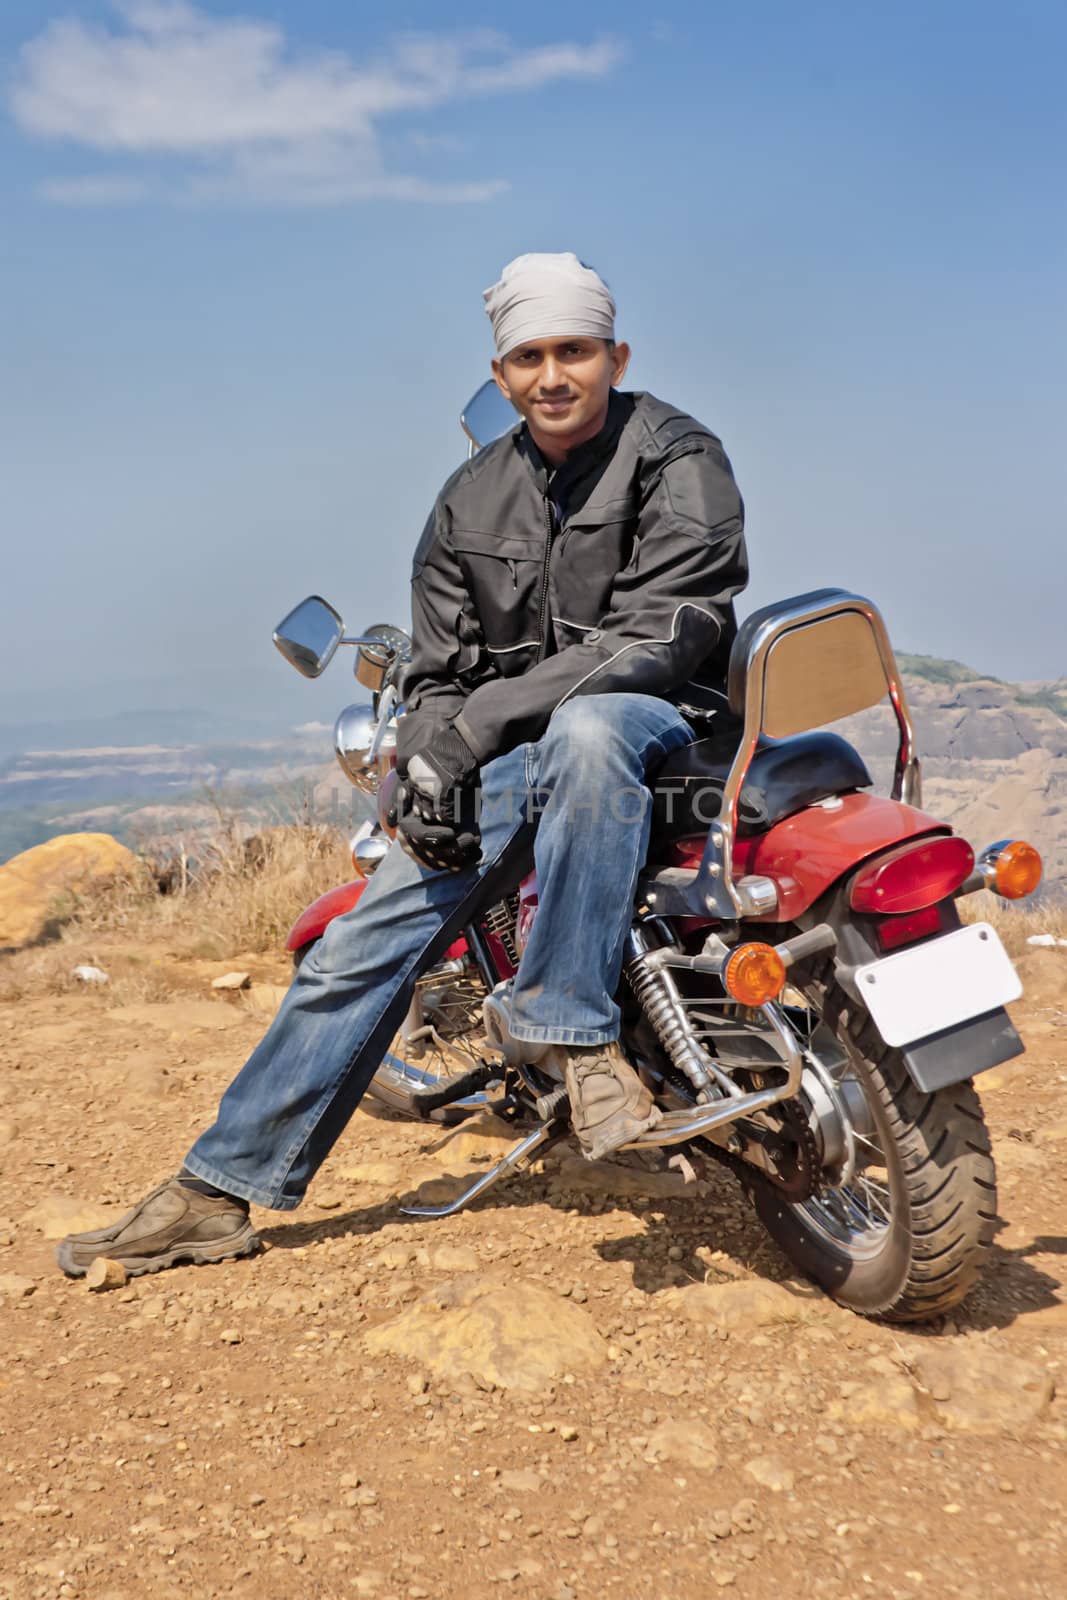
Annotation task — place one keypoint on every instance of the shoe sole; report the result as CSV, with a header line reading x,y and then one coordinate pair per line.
x,y
244,1243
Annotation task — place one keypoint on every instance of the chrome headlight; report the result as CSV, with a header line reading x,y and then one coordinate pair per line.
x,y
353,737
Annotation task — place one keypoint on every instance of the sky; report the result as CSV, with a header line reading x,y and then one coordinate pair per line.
x,y
242,250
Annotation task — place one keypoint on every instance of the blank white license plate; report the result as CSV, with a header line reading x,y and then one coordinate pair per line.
x,y
914,993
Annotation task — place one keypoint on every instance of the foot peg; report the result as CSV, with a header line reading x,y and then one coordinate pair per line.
x,y
426,1100
554,1104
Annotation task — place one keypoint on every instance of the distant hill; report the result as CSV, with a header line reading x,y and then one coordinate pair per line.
x,y
994,754
933,669
191,726
167,787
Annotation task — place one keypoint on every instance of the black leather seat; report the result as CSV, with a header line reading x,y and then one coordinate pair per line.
x,y
785,775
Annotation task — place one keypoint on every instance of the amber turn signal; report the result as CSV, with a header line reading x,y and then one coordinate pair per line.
x,y
754,974
1016,870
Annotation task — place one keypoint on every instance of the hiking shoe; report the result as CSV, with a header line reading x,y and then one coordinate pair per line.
x,y
610,1105
172,1224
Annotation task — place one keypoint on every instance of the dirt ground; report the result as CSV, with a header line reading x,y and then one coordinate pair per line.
x,y
536,1397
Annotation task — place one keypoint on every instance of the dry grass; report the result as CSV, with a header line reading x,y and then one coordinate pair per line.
x,y
1015,923
240,896
245,892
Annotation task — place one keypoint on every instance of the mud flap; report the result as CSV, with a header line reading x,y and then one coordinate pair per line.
x,y
958,1053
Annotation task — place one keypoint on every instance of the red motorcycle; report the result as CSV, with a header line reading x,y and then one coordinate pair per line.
x,y
798,991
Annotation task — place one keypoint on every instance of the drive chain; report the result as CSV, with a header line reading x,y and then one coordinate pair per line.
x,y
806,1181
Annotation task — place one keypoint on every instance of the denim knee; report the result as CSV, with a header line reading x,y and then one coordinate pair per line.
x,y
584,725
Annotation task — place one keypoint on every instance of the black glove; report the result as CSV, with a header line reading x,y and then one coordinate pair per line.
x,y
436,762
437,805
446,840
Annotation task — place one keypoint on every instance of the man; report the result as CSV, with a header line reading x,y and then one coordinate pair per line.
x,y
571,581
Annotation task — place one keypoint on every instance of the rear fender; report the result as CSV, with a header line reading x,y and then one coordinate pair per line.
x,y
807,853
312,923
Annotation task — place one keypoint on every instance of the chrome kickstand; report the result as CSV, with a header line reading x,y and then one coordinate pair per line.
x,y
547,1133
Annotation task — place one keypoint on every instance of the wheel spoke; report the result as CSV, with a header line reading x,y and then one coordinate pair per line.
x,y
878,1199
452,1031
857,1213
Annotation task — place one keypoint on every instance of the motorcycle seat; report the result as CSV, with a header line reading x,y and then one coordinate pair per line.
x,y
785,775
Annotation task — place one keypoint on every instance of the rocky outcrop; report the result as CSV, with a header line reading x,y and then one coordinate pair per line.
x,y
994,759
976,1389
685,1439
38,888
751,1304
509,1335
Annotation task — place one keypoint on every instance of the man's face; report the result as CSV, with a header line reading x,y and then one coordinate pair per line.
x,y
561,387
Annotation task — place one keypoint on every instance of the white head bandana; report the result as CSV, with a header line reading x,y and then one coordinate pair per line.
x,y
543,295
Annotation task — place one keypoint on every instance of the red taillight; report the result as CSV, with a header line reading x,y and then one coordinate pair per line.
x,y
897,931
912,876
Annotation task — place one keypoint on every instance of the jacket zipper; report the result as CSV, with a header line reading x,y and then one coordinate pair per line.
x,y
550,526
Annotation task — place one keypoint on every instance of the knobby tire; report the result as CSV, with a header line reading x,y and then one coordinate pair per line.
x,y
942,1180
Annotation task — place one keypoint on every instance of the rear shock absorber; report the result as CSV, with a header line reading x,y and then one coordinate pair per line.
x,y
657,994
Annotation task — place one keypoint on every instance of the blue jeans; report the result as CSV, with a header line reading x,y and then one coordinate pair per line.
x,y
577,805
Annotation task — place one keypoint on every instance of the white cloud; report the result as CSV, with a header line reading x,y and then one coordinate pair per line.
x,y
239,113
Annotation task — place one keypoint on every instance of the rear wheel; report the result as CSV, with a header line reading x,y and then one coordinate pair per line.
x,y
906,1213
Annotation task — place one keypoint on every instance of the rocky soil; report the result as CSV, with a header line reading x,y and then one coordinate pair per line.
x,y
599,1381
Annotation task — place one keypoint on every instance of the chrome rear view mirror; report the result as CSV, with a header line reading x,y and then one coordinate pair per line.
x,y
308,637
487,416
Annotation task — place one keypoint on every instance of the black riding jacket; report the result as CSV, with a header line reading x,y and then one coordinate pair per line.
x,y
615,572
